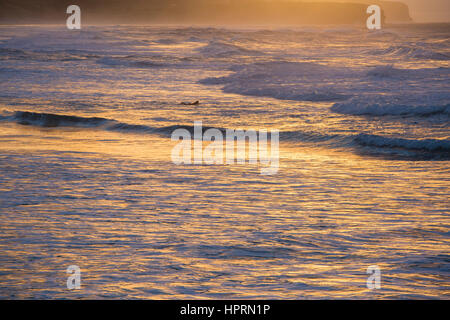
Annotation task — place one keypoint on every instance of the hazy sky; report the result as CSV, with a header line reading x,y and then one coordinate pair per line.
x,y
429,10
422,10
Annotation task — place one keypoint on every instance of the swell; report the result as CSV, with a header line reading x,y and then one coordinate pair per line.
x,y
54,120
45,55
410,51
51,120
137,62
377,144
368,144
376,109
430,145
415,104
133,61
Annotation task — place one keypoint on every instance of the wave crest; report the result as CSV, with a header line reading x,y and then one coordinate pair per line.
x,y
412,52
371,144
55,120
300,81
396,106
400,143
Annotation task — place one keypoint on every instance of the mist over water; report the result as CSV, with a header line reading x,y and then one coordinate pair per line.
x,y
87,178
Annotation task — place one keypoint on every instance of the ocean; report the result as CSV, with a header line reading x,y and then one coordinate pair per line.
x,y
86,118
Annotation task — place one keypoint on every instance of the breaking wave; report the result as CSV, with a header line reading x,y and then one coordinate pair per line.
x,y
371,140
50,120
300,81
420,107
370,144
432,145
412,52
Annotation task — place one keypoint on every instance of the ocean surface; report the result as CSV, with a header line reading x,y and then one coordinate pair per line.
x,y
86,176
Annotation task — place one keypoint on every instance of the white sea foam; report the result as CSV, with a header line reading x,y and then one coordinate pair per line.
x,y
284,80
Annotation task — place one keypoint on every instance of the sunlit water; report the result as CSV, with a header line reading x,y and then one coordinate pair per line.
x,y
364,162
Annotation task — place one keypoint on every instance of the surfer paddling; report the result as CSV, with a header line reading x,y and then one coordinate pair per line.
x,y
190,103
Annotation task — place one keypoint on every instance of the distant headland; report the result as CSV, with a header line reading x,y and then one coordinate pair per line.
x,y
243,12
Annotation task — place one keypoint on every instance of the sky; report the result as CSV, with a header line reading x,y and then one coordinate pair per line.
x,y
420,10
429,10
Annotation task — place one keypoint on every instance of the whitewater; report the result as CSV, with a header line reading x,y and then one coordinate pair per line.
x,y
87,179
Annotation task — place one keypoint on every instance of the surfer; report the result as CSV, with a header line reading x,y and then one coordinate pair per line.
x,y
190,103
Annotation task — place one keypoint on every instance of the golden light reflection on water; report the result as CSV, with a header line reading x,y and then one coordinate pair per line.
x,y
139,226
